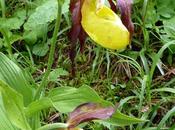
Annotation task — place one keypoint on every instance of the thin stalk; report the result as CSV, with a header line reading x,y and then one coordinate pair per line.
x,y
30,55
51,53
145,8
144,84
145,33
3,8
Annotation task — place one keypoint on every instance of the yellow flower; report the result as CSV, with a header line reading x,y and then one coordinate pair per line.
x,y
103,25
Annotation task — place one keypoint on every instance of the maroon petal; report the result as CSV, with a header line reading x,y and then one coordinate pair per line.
x,y
75,9
82,37
113,5
87,112
125,10
76,32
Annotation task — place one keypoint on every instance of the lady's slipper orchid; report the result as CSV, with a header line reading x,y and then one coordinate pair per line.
x,y
101,23
104,26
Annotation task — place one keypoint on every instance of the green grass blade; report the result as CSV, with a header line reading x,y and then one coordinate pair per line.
x,y
165,118
171,90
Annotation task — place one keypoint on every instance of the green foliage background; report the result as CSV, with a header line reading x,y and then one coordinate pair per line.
x,y
139,80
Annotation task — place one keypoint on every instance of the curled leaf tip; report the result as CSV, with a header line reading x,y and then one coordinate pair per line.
x,y
87,112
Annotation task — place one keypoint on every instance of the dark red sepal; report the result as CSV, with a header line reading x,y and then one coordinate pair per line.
x,y
76,32
113,6
125,7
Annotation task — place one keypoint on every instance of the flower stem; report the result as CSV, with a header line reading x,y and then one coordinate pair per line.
x,y
3,7
51,53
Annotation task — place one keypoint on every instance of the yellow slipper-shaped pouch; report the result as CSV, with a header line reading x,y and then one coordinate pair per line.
x,y
104,26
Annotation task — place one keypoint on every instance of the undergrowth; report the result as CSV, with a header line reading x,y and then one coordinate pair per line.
x,y
139,80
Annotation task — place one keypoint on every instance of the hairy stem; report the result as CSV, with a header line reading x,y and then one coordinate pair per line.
x,y
51,53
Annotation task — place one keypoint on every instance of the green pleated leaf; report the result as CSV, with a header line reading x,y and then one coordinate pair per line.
x,y
37,106
66,99
14,107
5,123
14,77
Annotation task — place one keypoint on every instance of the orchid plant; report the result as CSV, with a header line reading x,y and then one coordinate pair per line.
x,y
94,19
22,100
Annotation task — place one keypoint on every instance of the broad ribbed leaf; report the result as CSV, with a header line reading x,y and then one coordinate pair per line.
x,y
14,77
5,123
14,107
66,99
37,106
